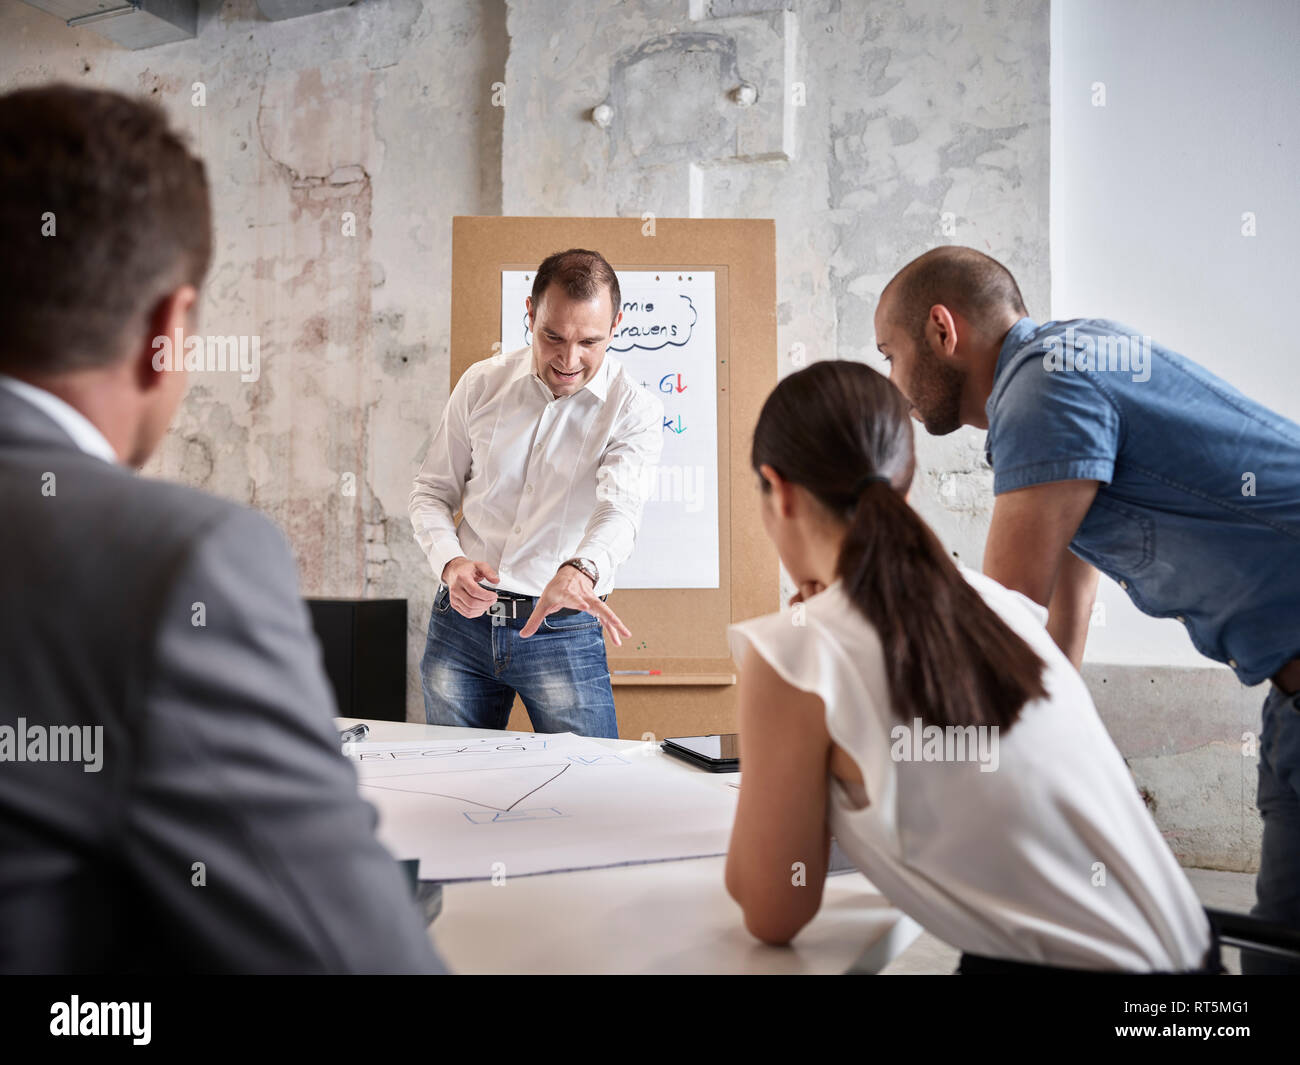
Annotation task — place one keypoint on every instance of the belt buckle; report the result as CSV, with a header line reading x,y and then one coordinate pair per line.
x,y
498,611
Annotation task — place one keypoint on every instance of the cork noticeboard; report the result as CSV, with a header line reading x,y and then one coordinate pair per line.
x,y
682,631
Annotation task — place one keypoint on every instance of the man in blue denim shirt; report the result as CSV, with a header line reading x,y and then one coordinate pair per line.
x,y
1113,453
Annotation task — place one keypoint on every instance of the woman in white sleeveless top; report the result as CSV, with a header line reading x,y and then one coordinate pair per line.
x,y
921,714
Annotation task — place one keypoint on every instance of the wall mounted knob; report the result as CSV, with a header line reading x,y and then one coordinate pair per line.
x,y
744,94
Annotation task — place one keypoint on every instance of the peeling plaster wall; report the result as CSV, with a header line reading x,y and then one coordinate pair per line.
x,y
922,122
879,130
383,110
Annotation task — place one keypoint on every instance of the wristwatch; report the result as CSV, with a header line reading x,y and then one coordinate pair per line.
x,y
584,565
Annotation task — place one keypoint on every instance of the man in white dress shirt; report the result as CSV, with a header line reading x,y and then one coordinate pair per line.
x,y
546,452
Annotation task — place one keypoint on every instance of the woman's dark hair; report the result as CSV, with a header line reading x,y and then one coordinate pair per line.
x,y
949,659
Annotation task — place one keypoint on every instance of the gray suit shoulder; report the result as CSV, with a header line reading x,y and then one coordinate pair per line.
x,y
189,513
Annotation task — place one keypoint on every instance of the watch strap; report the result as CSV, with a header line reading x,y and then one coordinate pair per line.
x,y
584,566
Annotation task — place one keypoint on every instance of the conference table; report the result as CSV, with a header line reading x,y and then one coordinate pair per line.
x,y
656,917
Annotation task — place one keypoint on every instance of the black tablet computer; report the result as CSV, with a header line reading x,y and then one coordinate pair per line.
x,y
718,753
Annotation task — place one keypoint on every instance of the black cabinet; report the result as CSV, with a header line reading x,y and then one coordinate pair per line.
x,y
363,642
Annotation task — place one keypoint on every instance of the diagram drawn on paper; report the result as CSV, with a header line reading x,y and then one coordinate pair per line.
x,y
482,818
494,777
548,802
598,759
391,752
495,792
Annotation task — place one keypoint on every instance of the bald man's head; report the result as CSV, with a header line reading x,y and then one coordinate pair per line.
x,y
964,280
940,320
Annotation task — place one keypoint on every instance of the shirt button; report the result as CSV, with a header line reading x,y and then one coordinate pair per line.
x,y
1182,619
528,488
1123,584
1232,662
516,528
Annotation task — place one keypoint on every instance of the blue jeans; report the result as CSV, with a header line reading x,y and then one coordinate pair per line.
x,y
1277,887
472,669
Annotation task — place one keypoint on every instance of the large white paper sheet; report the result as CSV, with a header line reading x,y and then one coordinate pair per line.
x,y
525,804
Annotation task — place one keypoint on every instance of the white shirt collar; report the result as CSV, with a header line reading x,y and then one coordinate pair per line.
x,y
599,383
597,386
82,430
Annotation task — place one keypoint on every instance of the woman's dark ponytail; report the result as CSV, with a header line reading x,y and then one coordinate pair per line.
x,y
842,431
949,658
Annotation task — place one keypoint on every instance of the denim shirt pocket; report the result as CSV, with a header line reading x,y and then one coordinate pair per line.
x,y
1118,540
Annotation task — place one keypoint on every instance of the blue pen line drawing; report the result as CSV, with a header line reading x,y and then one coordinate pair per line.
x,y
450,794
442,750
498,795
543,813
598,759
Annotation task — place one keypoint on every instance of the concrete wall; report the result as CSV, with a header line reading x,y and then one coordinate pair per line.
x,y
381,110
879,129
1174,210
1190,738
1174,207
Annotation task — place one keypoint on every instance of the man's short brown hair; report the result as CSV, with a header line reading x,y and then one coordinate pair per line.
x,y
103,211
581,274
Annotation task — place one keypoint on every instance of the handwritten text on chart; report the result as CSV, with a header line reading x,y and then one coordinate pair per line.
x,y
648,326
668,384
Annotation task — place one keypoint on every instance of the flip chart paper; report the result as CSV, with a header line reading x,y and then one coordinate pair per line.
x,y
668,341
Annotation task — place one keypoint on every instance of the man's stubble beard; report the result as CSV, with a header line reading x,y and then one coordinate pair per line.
x,y
940,397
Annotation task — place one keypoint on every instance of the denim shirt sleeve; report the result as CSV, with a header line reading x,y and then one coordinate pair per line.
x,y
1051,426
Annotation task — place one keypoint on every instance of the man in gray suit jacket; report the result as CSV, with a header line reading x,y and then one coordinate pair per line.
x,y
172,793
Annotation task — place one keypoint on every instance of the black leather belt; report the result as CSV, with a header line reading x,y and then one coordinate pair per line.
x,y
513,605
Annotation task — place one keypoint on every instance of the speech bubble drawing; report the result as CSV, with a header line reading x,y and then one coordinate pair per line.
x,y
649,325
